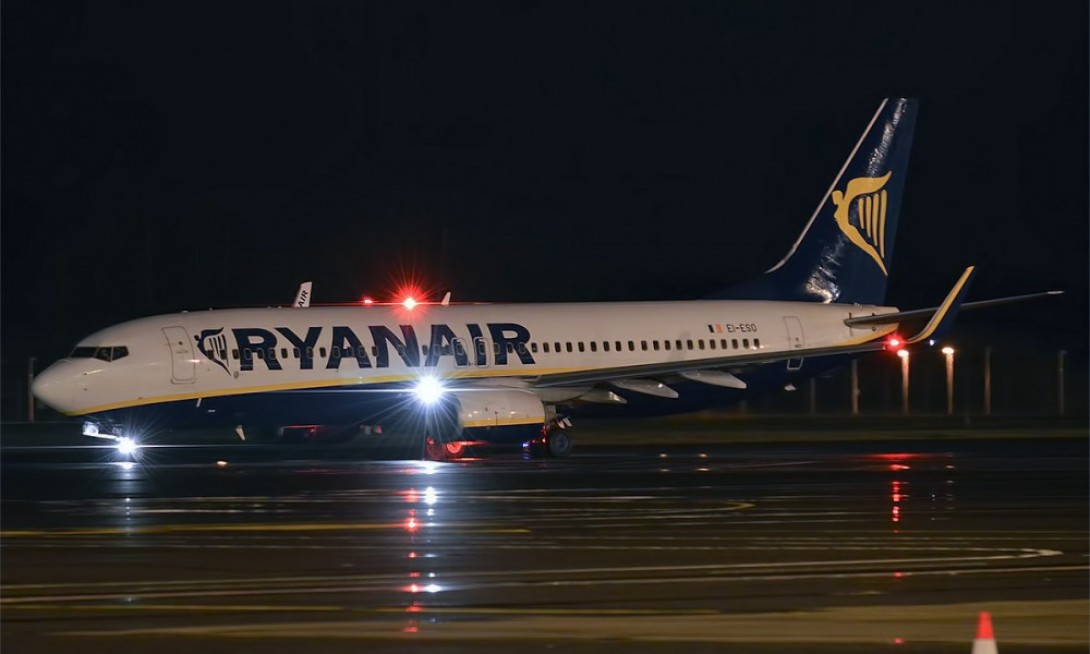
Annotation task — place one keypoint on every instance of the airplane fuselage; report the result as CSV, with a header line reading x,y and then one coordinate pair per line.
x,y
214,366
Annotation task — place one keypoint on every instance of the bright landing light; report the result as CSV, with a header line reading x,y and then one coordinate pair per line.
x,y
428,390
126,445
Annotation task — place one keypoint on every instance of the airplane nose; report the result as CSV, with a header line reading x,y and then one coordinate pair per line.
x,y
53,388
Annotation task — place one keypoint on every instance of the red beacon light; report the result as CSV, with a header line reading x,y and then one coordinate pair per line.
x,y
409,303
895,344
368,300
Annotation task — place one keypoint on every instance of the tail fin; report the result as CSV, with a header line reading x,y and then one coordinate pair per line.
x,y
843,255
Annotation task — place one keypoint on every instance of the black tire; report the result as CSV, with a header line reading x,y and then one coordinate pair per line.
x,y
559,445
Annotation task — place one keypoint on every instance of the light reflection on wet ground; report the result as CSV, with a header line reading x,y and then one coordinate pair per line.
x,y
865,544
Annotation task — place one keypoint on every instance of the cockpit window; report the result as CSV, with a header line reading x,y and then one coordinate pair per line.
x,y
102,353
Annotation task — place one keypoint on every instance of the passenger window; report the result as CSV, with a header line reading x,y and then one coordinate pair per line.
x,y
723,343
745,343
618,344
557,347
283,353
666,345
246,354
533,348
295,352
568,344
700,343
260,354
423,350
495,348
655,345
336,352
594,346
734,343
545,346
678,343
580,346
632,346
757,343
234,354
374,350
321,352
711,343
605,346
272,354
310,352
510,348
521,348
689,344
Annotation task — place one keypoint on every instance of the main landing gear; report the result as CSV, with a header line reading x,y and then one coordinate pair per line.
x,y
553,442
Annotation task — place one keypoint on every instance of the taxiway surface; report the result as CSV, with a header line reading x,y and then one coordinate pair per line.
x,y
852,547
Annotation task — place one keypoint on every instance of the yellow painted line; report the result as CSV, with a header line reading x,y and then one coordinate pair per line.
x,y
200,608
385,610
167,529
451,610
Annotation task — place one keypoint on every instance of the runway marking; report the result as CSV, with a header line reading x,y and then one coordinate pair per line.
x,y
273,527
384,610
556,578
1051,622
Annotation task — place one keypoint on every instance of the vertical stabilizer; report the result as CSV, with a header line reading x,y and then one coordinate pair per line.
x,y
844,253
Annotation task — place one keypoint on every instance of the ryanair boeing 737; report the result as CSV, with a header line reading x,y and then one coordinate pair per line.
x,y
481,372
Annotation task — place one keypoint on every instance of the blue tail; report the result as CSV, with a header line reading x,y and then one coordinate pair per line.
x,y
844,253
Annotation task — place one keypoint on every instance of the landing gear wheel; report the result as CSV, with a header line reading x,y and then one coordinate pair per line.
x,y
558,444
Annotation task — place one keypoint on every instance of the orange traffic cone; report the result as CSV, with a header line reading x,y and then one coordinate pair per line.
x,y
984,643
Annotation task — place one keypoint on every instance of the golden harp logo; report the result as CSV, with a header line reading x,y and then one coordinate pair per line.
x,y
865,199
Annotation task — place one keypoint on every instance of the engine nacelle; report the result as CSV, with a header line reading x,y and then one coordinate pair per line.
x,y
498,408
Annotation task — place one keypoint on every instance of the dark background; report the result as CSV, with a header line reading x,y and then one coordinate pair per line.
x,y
160,156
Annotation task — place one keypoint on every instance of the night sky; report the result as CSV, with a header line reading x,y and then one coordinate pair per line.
x,y
168,156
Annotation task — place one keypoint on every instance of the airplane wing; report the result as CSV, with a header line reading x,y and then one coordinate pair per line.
x,y
940,320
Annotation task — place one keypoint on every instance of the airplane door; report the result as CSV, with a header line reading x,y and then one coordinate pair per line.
x,y
796,340
183,362
480,351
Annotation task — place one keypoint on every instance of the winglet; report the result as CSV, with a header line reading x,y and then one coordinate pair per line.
x,y
944,316
446,299
302,298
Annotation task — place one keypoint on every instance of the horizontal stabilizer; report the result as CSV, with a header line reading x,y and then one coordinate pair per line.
x,y
918,314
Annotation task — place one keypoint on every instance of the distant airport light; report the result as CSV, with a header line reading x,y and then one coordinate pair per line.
x,y
902,353
894,342
947,350
409,302
428,390
368,300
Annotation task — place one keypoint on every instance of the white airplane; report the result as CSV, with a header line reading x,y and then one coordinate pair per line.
x,y
459,373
